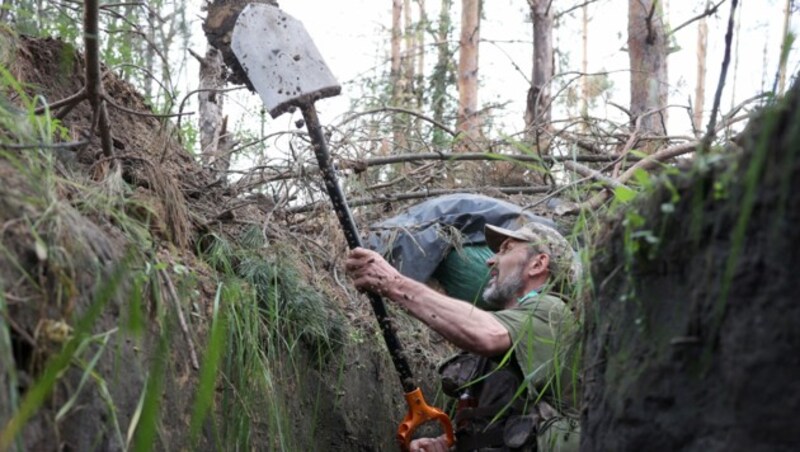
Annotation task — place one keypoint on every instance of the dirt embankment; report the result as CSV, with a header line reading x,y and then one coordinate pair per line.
x,y
64,229
693,336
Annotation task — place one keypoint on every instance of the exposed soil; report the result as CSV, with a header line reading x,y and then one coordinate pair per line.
x,y
693,342
352,401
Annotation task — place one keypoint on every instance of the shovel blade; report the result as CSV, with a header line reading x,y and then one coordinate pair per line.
x,y
280,59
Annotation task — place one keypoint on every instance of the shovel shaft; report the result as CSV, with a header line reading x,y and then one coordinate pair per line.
x,y
353,241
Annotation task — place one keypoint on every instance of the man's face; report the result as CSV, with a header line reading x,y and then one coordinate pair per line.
x,y
506,274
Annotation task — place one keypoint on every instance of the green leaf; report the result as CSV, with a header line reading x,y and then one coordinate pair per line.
x,y
624,194
642,177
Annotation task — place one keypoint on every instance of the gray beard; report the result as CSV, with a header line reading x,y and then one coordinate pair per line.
x,y
499,294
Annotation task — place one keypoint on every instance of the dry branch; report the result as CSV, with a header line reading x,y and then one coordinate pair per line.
x,y
94,83
707,12
252,181
407,158
416,114
711,130
594,174
358,202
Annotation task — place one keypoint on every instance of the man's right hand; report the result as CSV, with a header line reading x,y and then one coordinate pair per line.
x,y
429,445
370,271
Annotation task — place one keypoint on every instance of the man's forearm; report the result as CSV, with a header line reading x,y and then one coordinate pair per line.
x,y
461,323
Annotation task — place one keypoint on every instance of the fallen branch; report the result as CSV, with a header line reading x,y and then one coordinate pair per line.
x,y
406,158
358,166
649,162
73,99
594,174
358,202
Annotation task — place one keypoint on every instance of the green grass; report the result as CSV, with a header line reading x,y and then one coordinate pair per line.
x,y
265,318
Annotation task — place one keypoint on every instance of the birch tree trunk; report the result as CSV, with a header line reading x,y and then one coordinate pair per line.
x,y
538,111
700,85
210,102
468,121
647,51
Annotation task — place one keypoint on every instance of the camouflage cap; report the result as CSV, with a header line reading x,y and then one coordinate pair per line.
x,y
563,261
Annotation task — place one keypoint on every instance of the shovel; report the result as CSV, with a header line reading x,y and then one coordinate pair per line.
x,y
286,69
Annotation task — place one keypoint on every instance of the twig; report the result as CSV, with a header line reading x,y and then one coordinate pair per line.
x,y
712,121
149,73
73,99
181,320
708,11
456,156
142,113
357,202
417,114
650,161
571,9
361,165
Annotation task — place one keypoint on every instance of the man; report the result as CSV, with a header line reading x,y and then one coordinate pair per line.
x,y
510,365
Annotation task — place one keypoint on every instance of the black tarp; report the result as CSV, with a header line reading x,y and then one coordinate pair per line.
x,y
417,240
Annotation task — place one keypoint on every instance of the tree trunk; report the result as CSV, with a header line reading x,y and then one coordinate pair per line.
x,y
700,86
419,80
647,51
396,71
537,111
782,68
442,71
149,53
585,65
210,110
468,121
408,54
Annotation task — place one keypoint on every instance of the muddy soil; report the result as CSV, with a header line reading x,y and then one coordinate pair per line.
x,y
693,334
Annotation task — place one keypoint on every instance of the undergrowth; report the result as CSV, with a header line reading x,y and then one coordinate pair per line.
x,y
72,296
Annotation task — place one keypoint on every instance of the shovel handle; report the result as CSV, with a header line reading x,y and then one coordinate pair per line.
x,y
348,224
419,412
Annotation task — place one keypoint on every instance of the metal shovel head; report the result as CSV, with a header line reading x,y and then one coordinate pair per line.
x,y
280,59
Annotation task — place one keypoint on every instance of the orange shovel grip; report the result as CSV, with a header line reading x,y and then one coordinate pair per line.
x,y
419,412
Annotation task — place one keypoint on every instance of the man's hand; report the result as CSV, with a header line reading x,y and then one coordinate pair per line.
x,y
438,444
370,271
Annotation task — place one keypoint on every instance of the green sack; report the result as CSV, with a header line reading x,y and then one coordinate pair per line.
x,y
463,274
